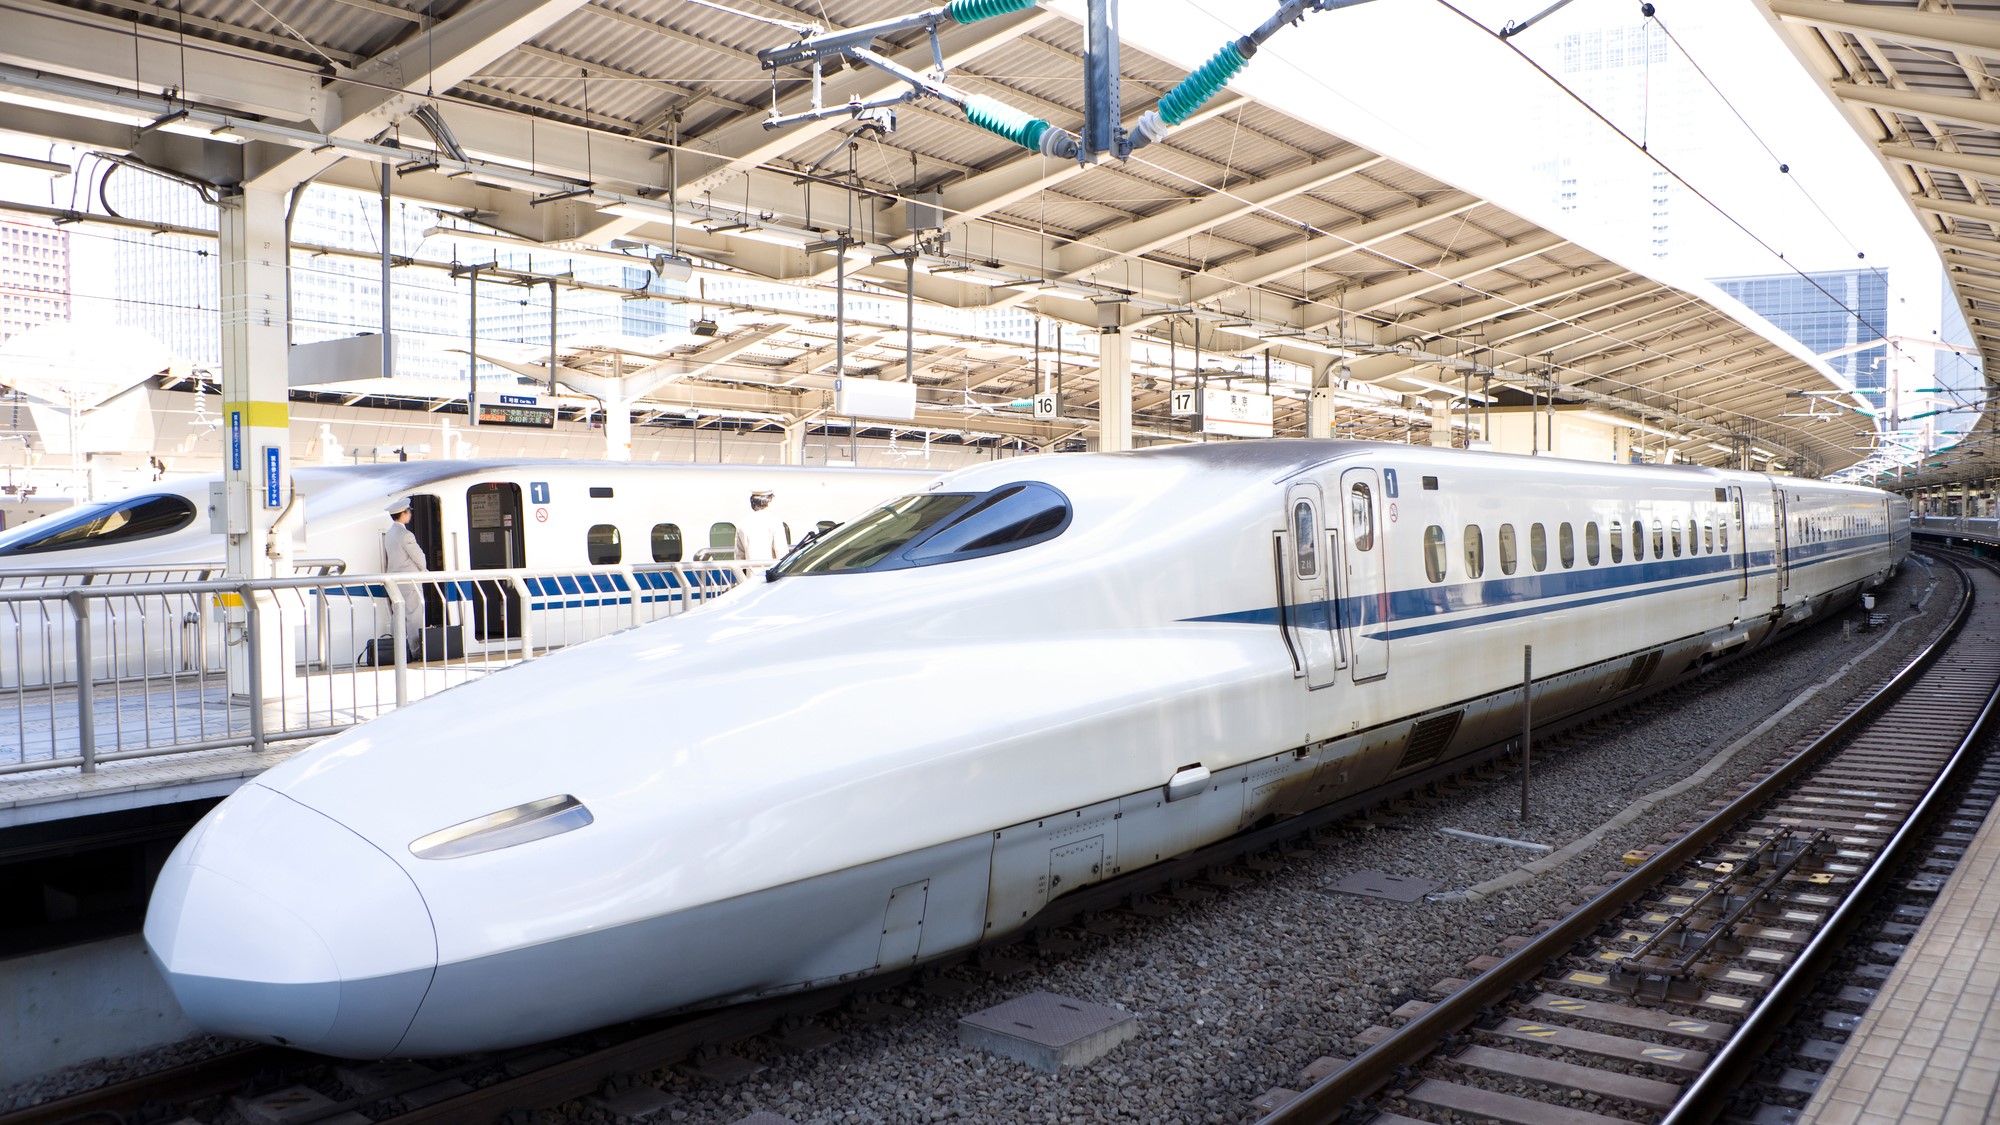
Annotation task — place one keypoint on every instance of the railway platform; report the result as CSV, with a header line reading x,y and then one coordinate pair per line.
x,y
1928,1050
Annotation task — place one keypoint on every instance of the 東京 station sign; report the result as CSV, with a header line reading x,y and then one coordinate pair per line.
x,y
1235,413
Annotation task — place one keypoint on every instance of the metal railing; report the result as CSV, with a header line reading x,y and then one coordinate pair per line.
x,y
114,665
1987,527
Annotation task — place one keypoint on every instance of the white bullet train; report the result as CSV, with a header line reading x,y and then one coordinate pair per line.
x,y
1032,676
566,516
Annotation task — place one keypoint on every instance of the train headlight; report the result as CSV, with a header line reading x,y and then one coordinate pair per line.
x,y
535,820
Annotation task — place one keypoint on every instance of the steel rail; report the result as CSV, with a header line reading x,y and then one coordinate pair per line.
x,y
1703,1099
1377,1067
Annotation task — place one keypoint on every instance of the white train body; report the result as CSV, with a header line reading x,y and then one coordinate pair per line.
x,y
849,771
573,517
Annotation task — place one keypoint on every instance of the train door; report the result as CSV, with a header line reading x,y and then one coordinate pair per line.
x,y
427,524
493,519
1364,595
1308,584
1742,542
1781,542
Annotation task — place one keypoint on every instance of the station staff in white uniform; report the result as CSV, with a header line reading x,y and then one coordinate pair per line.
x,y
762,535
404,555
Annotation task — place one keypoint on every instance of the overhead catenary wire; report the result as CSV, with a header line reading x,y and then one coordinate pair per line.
x,y
1664,166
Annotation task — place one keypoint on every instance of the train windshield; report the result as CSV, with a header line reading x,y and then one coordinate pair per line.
x,y
133,517
936,527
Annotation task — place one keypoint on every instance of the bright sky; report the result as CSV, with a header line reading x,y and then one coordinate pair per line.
x,y
1416,81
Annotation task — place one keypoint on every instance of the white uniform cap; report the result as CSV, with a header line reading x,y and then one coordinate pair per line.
x,y
399,505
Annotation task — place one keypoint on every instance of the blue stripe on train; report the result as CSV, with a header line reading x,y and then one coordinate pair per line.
x,y
1526,595
570,591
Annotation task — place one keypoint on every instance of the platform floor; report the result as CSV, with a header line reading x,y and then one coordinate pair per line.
x,y
162,712
1928,1051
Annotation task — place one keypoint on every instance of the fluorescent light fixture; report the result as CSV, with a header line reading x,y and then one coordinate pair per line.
x,y
1455,392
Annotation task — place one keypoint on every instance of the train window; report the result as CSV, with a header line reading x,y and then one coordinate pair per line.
x,y
1708,538
114,521
1565,545
1590,543
1306,534
666,542
1509,554
1361,517
603,545
1617,531
1660,541
1674,530
1639,541
1434,553
600,492
1722,536
937,527
1475,551
1694,539
721,541
1538,547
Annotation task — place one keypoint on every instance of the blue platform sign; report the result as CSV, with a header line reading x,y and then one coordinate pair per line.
x,y
538,492
518,400
236,441
270,476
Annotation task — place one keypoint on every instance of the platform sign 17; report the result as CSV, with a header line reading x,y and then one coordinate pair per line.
x,y
1184,404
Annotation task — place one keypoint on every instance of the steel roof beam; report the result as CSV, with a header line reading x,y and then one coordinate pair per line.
x,y
1943,30
1944,107
1230,278
1386,293
388,86
1537,300
1098,249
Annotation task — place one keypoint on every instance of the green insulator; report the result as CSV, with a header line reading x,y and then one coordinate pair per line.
x,y
1013,124
965,11
1202,85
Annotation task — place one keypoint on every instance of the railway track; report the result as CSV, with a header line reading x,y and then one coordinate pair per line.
x,y
1654,1000
509,1085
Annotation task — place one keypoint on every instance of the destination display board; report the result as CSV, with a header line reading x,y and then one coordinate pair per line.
x,y
515,410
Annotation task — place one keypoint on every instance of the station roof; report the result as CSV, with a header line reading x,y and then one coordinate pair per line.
x,y
1247,232
1917,80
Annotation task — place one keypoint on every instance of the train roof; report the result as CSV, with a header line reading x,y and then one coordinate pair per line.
x,y
397,476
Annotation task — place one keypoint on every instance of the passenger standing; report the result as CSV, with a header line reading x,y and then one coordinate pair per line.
x,y
762,535
406,556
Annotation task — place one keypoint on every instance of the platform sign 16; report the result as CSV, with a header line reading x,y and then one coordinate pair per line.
x,y
1048,407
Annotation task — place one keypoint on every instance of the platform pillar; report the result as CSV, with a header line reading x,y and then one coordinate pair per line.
x,y
1319,404
617,428
1114,393
257,444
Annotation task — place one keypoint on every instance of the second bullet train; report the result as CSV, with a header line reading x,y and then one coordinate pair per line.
x,y
1024,679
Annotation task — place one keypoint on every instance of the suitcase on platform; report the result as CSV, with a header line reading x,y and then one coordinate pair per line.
x,y
440,643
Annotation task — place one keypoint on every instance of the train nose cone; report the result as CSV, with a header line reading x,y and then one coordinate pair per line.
x,y
273,922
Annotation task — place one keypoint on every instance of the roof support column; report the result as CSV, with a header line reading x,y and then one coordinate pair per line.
x,y
1114,391
1441,421
1319,403
255,380
257,450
